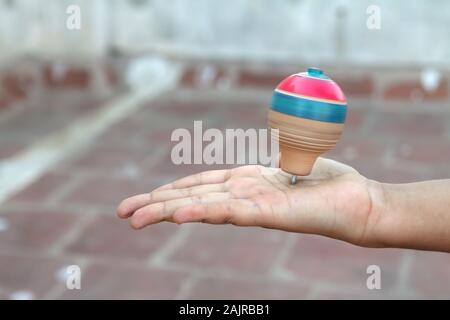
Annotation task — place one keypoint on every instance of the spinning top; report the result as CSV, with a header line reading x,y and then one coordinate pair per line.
x,y
309,109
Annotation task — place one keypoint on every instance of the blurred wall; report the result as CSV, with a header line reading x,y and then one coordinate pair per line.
x,y
412,32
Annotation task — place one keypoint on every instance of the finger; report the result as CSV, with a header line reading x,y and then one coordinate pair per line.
x,y
130,205
171,194
331,167
206,177
240,212
162,211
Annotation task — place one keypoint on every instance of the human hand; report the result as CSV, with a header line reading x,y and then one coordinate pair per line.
x,y
334,200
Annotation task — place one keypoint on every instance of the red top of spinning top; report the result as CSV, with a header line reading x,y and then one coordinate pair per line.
x,y
313,84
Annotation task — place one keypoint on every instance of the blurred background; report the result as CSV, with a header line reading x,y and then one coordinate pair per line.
x,y
91,90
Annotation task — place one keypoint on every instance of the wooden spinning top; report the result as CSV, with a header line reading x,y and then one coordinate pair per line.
x,y
309,109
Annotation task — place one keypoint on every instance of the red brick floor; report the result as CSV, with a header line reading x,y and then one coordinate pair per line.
x,y
43,114
67,216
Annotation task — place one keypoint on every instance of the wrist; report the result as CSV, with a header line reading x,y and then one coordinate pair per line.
x,y
376,230
388,224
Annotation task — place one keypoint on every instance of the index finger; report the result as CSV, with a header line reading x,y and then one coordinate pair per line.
x,y
205,177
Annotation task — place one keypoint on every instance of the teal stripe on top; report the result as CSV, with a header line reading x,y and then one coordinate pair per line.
x,y
308,109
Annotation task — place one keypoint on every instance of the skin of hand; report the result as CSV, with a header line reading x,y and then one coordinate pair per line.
x,y
334,201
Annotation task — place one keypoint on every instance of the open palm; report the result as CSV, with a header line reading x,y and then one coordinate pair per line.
x,y
334,200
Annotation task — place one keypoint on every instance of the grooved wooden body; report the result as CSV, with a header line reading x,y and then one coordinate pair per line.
x,y
302,141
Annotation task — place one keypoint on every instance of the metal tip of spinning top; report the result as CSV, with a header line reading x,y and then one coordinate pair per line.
x,y
293,179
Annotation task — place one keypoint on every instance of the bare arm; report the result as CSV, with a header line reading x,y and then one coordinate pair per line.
x,y
415,215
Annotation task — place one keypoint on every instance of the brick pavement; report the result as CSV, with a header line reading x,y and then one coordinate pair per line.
x,y
67,216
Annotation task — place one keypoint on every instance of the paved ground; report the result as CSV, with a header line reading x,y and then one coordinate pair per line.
x,y
68,216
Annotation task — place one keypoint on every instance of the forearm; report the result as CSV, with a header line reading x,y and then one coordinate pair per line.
x,y
414,215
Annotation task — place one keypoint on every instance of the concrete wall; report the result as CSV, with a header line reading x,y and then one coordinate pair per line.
x,y
312,31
